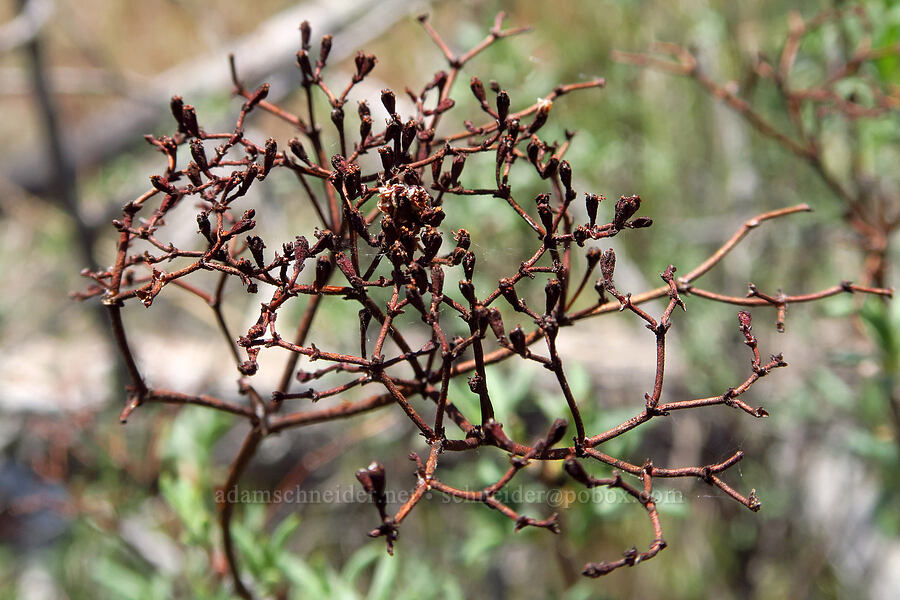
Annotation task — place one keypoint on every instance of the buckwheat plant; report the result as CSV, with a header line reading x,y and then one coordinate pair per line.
x,y
379,244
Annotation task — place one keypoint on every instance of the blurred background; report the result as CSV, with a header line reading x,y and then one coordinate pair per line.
x,y
90,508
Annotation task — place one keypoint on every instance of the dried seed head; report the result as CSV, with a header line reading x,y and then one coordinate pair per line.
x,y
608,267
502,106
552,291
389,101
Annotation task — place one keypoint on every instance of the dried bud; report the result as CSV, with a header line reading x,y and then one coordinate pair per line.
x,y
305,66
417,274
269,158
593,257
363,109
502,106
459,162
387,158
437,280
193,173
545,212
408,134
337,117
608,267
549,168
162,184
189,121
389,101
365,128
305,31
462,239
298,150
556,432
534,152
258,96
517,337
468,263
199,155
205,228
626,206
431,241
468,291
256,246
496,322
565,175
592,202
508,289
372,479
639,223
478,89
415,298
323,271
324,50
553,290
177,107
540,118
364,65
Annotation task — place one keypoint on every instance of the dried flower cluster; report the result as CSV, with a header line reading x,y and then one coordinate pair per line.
x,y
383,229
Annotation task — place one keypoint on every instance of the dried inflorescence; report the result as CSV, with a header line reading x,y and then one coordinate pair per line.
x,y
382,230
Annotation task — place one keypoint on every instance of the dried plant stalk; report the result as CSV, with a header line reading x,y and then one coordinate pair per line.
x,y
382,229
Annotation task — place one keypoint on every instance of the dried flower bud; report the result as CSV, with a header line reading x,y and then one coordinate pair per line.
x,y
556,432
534,152
565,175
189,121
337,117
540,118
502,106
324,50
639,223
517,337
305,66
626,206
389,101
372,479
298,150
193,173
508,289
364,65
495,320
468,263
323,271
549,168
199,155
437,280
462,239
305,32
205,228
467,290
387,158
256,246
177,107
365,128
269,158
258,96
552,291
608,267
459,162
162,184
408,134
478,89
431,241
592,202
